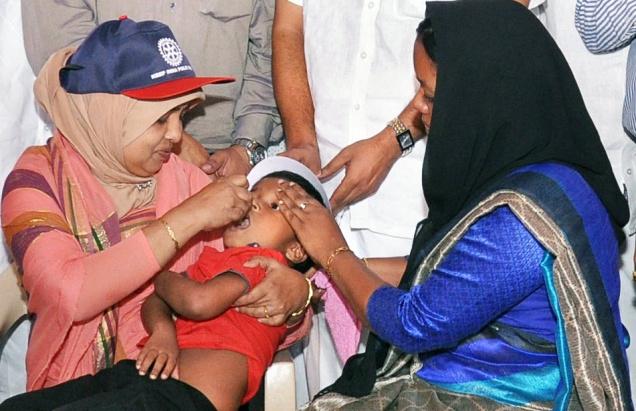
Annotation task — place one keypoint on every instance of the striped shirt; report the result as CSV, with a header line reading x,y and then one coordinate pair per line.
x,y
608,25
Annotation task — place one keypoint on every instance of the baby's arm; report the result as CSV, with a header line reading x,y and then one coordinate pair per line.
x,y
200,301
161,348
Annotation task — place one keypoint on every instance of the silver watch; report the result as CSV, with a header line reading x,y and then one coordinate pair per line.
x,y
255,150
402,135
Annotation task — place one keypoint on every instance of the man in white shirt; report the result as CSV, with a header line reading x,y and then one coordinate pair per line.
x,y
341,73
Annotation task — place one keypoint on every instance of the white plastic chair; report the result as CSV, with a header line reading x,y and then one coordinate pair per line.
x,y
280,384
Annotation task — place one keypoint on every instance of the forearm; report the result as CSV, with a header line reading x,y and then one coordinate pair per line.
x,y
84,285
356,282
432,315
289,73
177,291
257,126
390,269
113,274
156,315
199,301
605,25
103,278
184,223
126,266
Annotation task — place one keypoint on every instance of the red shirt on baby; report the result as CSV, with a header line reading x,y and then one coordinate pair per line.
x,y
232,330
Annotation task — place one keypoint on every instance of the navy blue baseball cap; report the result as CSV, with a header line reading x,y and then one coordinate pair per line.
x,y
141,60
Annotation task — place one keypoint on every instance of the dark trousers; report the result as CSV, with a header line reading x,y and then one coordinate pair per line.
x,y
116,388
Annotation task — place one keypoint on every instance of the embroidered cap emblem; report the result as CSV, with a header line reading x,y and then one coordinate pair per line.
x,y
170,51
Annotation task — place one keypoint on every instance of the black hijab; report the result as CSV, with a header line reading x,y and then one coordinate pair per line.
x,y
505,97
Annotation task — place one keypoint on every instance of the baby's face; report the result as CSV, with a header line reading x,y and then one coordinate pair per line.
x,y
264,223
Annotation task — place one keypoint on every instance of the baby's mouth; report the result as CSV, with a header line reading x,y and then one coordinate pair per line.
x,y
243,224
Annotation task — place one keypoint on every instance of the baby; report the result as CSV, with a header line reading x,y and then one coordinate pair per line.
x,y
221,352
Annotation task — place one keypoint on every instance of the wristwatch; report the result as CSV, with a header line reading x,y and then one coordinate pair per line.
x,y
255,151
402,135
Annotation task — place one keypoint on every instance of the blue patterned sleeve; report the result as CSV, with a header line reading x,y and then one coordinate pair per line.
x,y
605,25
491,269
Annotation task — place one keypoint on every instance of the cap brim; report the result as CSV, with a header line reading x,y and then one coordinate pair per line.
x,y
174,88
279,163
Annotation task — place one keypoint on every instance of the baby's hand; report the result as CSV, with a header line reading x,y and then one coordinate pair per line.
x,y
161,353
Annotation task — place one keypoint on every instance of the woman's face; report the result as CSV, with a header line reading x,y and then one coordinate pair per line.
x,y
145,156
426,72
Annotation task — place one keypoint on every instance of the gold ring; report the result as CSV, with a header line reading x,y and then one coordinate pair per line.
x,y
302,205
266,312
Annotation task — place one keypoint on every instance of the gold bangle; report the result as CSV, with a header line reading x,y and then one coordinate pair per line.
x,y
310,294
333,255
171,234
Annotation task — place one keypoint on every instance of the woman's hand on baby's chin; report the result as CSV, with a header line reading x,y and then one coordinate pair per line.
x,y
282,291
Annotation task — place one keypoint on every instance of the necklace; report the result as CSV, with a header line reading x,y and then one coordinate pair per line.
x,y
145,185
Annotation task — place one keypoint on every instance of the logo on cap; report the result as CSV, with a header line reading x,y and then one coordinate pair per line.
x,y
170,51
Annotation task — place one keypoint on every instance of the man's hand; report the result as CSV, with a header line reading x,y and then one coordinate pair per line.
x,y
190,150
229,161
366,163
307,154
161,353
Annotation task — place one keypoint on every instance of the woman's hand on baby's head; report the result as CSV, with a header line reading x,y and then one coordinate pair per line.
x,y
221,202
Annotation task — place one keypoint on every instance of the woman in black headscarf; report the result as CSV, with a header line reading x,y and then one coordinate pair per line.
x,y
509,297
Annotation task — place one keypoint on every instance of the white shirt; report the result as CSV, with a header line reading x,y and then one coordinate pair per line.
x,y
601,79
20,126
359,56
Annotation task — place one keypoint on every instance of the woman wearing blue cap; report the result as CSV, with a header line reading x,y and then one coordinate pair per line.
x,y
92,216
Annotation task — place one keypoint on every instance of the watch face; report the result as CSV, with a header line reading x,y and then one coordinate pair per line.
x,y
405,140
258,154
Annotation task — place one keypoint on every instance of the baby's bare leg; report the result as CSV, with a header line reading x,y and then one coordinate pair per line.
x,y
219,374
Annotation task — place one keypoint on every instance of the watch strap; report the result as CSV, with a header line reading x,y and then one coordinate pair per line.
x,y
255,150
